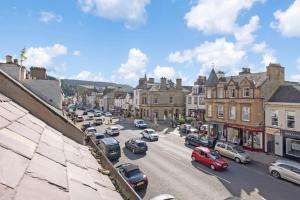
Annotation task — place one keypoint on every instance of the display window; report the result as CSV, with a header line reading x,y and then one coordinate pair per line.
x,y
257,140
247,139
233,135
293,147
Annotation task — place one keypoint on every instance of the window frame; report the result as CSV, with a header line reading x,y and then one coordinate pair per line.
x,y
218,111
208,93
230,116
209,110
244,89
220,93
287,121
243,119
196,98
272,117
230,93
171,100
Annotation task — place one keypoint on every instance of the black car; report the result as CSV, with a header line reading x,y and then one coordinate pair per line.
x,y
197,140
136,145
85,112
110,147
85,125
133,175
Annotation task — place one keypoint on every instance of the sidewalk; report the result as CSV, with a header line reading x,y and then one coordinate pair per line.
x,y
264,158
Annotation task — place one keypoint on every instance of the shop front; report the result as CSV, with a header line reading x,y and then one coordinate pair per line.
x,y
291,144
251,138
217,129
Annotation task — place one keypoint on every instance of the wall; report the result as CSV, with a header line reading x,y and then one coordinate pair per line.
x,y
48,90
21,95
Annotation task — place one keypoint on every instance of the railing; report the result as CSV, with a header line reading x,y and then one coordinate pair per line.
x,y
121,184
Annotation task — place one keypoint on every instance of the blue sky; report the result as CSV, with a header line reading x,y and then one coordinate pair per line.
x,y
120,40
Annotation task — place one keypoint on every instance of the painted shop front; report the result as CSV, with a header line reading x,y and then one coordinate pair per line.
x,y
251,138
291,144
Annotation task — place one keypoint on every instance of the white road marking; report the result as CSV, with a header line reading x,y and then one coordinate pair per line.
x,y
213,175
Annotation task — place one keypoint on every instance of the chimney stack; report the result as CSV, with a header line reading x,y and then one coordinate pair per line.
x,y
245,70
9,59
38,73
16,61
151,80
178,83
163,83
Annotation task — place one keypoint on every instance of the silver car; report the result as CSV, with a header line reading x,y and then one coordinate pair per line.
x,y
232,151
285,169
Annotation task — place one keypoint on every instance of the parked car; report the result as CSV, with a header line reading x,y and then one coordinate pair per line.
x,y
97,114
133,175
163,197
185,128
85,112
136,145
209,158
193,131
110,147
90,116
285,169
112,130
197,140
139,123
108,114
90,131
97,137
150,134
232,151
98,121
85,125
79,118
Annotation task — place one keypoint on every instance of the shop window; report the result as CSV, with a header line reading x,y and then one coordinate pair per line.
x,y
196,100
220,93
208,93
247,139
220,111
189,100
274,118
233,135
209,111
290,119
257,140
246,92
293,147
246,113
232,112
232,93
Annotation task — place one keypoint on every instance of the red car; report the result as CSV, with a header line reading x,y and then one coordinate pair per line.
x,y
209,158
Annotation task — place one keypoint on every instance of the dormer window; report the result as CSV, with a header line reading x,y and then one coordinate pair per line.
x,y
246,92
232,93
220,93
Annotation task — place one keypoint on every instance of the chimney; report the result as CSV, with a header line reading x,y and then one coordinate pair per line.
x,y
151,80
163,83
9,59
178,83
38,73
245,70
201,80
275,72
16,61
220,74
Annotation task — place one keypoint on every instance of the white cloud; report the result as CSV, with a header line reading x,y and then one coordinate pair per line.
x,y
295,77
215,16
259,47
76,53
168,72
287,22
49,16
89,76
268,58
135,65
132,12
222,53
43,56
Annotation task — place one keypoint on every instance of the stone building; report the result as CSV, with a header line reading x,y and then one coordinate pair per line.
x,y
195,105
235,104
282,120
49,89
164,100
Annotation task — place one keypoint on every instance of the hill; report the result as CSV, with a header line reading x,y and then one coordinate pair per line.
x,y
70,86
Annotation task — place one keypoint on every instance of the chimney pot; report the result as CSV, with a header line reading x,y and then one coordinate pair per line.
x,y
9,59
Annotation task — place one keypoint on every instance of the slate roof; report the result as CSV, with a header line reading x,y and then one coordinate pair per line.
x,y
212,79
287,94
38,162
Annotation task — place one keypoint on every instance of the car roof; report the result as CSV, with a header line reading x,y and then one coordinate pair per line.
x,y
287,162
85,123
130,167
205,149
113,127
139,141
109,140
149,129
96,134
91,128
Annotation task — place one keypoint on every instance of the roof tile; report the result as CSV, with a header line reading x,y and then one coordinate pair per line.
x,y
49,170
17,143
52,153
9,175
52,139
3,98
37,189
79,192
6,193
18,106
3,122
25,131
26,121
101,179
8,115
79,174
36,121
108,194
12,108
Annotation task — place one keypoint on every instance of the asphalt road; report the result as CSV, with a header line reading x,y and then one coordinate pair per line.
x,y
170,170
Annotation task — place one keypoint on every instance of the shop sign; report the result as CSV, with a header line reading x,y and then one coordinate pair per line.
x,y
291,134
272,131
245,127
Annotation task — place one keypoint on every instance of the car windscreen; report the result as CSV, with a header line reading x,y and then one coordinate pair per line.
x,y
133,173
151,132
92,131
238,149
99,137
141,144
214,155
115,129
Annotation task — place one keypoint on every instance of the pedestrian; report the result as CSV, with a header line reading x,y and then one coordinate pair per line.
x,y
111,120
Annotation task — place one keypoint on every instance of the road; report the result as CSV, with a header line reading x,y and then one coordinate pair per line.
x,y
170,170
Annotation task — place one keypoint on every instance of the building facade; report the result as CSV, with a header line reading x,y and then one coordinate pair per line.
x,y
235,104
195,105
164,100
282,121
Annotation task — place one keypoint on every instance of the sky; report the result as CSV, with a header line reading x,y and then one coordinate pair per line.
x,y
121,40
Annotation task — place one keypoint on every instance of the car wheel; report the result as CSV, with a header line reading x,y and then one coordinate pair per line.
x,y
193,158
212,167
237,160
275,174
